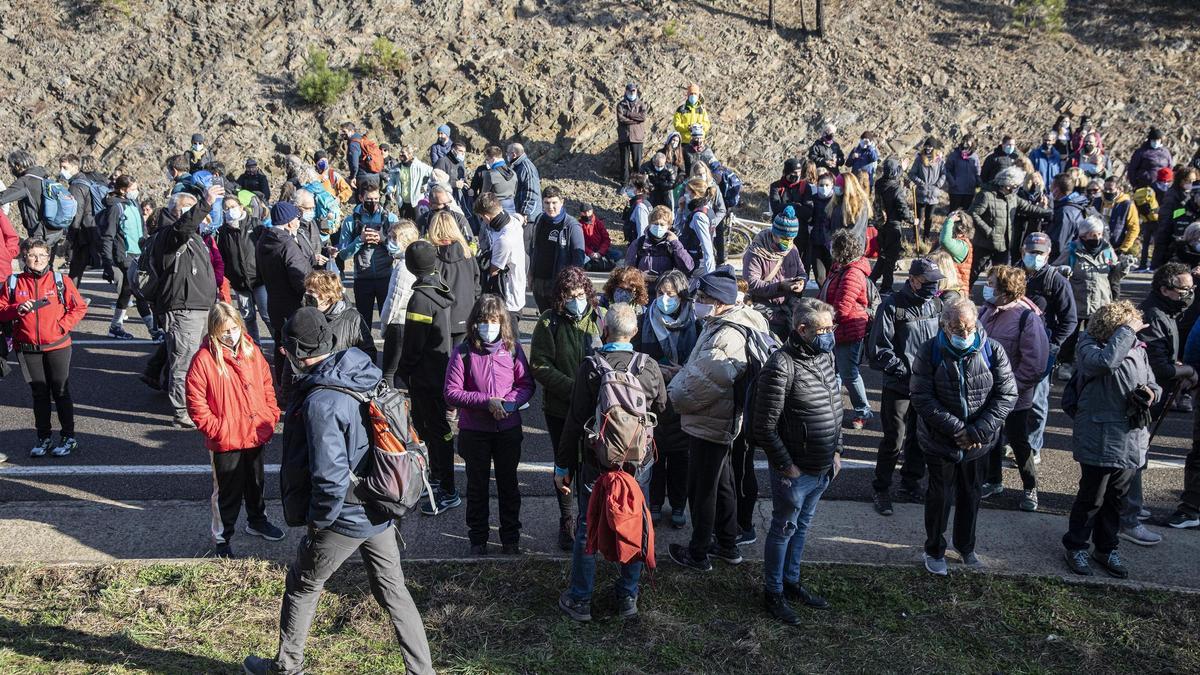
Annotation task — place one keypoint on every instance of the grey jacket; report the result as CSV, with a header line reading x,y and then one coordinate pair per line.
x,y
1101,433
929,179
994,213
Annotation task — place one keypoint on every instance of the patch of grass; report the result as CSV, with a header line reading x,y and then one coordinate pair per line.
x,y
495,617
384,58
670,29
321,85
1044,15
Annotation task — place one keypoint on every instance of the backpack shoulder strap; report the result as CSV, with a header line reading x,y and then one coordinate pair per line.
x,y
636,364
359,396
12,288
60,287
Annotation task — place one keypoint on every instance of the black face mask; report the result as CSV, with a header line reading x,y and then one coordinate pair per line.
x,y
370,207
1109,196
309,300
928,289
1091,245
792,178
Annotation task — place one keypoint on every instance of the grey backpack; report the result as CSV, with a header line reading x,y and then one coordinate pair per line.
x,y
622,430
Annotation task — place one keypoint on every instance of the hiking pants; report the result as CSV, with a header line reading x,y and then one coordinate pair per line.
x,y
429,417
481,450
185,329
1096,513
46,374
712,497
1017,430
237,478
954,484
899,421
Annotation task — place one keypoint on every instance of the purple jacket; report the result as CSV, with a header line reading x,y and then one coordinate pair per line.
x,y
496,373
1028,350
1145,163
659,257
757,264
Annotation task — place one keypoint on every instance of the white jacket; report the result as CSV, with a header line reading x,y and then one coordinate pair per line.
x,y
508,253
399,291
419,174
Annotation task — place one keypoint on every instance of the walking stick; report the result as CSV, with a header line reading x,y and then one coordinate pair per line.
x,y
1166,406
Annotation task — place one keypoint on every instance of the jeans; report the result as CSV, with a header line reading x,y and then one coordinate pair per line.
x,y
1016,429
899,420
252,306
367,294
480,450
1095,515
583,565
794,501
712,497
1038,415
954,484
1132,504
321,553
237,478
847,357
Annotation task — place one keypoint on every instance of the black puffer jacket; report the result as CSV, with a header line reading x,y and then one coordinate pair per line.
x,y
461,274
903,322
350,329
1161,336
798,409
975,393
237,245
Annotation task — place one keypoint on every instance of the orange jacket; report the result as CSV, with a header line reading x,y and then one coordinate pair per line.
x,y
237,410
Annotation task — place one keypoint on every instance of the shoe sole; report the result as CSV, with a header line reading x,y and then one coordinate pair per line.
x,y
1139,542
581,618
256,533
1186,525
1071,566
746,542
732,562
54,453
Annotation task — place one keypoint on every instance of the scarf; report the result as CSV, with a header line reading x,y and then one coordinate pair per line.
x,y
676,335
763,246
499,222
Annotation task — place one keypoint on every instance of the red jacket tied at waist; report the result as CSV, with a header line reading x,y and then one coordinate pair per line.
x,y
618,521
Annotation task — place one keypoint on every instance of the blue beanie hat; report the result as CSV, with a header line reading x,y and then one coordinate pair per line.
x,y
283,213
785,224
719,284
444,129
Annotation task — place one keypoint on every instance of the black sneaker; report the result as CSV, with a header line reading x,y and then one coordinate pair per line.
x,y
683,556
883,504
779,610
729,556
911,492
257,665
1111,562
627,607
1077,561
478,549
510,549
578,610
746,537
798,593
265,530
1183,520
442,501
566,533
223,551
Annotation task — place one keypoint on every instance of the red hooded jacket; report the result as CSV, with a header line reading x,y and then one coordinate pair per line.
x,y
848,295
237,410
46,328
595,235
619,524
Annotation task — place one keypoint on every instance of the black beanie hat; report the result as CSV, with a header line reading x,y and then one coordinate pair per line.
x,y
420,257
307,334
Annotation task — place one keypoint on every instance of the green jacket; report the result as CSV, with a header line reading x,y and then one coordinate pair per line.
x,y
555,356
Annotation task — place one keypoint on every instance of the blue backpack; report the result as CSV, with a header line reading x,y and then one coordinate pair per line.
x,y
732,189
97,191
58,205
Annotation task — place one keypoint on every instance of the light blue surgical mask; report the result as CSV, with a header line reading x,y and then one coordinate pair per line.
x,y
1034,261
308,215
488,332
692,99
394,248
837,190
668,304
658,231
989,294
960,343
577,306
702,309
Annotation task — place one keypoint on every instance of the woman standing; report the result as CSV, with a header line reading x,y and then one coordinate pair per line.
x,y
928,175
120,244
44,306
563,336
658,250
1110,434
668,334
848,291
400,235
323,290
457,265
852,209
231,399
488,380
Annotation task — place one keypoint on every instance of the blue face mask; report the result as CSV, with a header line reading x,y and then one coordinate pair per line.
x,y
668,304
961,343
1034,261
692,99
577,306
989,294
394,248
488,332
824,343
658,231
623,295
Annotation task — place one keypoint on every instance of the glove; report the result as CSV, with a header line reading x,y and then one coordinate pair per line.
x,y
108,274
1065,270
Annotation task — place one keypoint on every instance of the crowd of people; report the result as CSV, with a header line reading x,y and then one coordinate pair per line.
x,y
678,352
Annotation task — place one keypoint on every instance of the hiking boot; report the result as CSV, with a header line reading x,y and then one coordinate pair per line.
x,y
990,490
971,560
858,423
936,566
65,446
627,607
183,422
883,504
678,518
154,384
510,549
1183,404
779,610
1111,562
746,537
1029,501
265,530
257,665
1144,515
1140,535
43,446
223,550
1183,520
911,492
1077,561
442,501
578,610
729,556
478,549
798,593
566,533
682,555
119,333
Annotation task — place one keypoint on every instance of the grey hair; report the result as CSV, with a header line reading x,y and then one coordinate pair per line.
x,y
808,309
1091,224
676,280
174,203
956,308
659,155
516,149
1009,177
301,192
621,321
829,128
440,189
1192,234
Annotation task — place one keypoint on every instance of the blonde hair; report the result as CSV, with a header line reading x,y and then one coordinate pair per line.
x,y
950,279
443,227
221,314
854,199
1106,320
699,187
661,215
404,232
325,286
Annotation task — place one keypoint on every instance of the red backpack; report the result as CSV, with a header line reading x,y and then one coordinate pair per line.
x,y
619,524
372,157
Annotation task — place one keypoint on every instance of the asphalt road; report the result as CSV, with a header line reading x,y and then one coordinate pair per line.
x,y
129,451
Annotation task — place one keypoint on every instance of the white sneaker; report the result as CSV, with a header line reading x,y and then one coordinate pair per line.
x,y
43,446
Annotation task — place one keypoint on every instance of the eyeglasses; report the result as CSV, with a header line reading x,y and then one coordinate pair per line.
x,y
827,330
37,256
960,331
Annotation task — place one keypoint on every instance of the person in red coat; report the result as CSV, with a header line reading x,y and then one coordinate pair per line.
x,y
44,306
596,244
848,293
231,398
10,246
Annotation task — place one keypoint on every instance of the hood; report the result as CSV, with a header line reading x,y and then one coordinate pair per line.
x,y
891,169
350,369
451,253
1074,198
1021,304
862,264
436,289
335,310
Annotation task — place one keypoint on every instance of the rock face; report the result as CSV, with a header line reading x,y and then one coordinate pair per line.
x,y
79,76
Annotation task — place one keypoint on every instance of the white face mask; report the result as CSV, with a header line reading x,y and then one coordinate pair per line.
x,y
234,215
197,147
231,337
1156,144
702,309
132,194
66,174
488,332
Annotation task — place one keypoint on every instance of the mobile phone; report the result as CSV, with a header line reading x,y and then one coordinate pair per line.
x,y
509,407
39,304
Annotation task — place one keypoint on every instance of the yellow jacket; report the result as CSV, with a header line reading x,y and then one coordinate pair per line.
x,y
337,186
686,115
1132,225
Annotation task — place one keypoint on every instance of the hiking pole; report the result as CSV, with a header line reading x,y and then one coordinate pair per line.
x,y
1166,407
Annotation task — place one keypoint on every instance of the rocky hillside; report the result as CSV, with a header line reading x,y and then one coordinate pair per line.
x,y
83,75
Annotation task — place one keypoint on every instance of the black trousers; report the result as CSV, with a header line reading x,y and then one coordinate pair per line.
x,y
631,160
80,257
46,374
958,202
669,480
925,218
890,245
566,503
1190,499
899,421
481,450
368,294
719,239
393,340
954,484
745,480
237,478
1016,429
711,496
429,417
1148,233
125,293
1096,513
983,261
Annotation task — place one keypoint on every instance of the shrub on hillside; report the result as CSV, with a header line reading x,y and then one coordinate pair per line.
x,y
383,58
1046,15
320,84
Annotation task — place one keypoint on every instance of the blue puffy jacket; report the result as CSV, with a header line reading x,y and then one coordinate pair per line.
x,y
324,438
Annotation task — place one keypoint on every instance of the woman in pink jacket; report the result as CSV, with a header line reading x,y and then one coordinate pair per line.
x,y
1015,322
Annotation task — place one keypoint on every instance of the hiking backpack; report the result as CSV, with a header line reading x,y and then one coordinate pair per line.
x,y
371,159
58,205
731,190
760,345
1072,393
621,429
397,466
97,192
